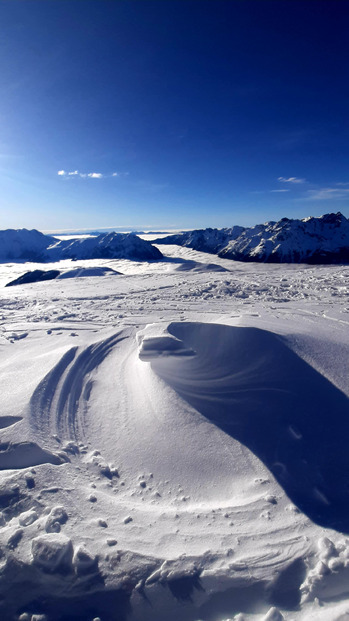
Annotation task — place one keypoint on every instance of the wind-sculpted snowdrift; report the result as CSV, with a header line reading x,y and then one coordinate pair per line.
x,y
161,457
250,384
311,240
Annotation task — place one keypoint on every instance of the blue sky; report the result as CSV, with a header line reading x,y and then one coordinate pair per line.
x,y
185,113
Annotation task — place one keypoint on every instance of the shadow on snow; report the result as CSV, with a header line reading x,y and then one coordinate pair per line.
x,y
250,384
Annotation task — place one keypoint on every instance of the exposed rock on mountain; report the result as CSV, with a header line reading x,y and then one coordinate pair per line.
x,y
105,246
204,240
34,276
312,240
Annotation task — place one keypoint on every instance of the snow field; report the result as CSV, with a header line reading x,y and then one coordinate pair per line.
x,y
173,443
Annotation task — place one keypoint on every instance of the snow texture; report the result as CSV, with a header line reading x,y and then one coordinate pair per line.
x,y
174,441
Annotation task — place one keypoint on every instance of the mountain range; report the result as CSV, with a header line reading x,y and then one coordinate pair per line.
x,y
324,239
24,245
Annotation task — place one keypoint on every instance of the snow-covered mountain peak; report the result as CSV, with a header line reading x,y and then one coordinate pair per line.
x,y
323,239
24,245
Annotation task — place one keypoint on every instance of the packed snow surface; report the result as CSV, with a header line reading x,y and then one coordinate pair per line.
x,y
174,441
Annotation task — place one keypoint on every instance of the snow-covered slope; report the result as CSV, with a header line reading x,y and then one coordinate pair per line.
x,y
23,245
312,240
105,246
174,443
203,240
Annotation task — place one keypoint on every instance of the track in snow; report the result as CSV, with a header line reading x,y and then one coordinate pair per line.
x,y
59,403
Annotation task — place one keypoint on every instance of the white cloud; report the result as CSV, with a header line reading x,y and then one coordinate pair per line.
x,y
291,180
342,184
92,175
283,190
328,193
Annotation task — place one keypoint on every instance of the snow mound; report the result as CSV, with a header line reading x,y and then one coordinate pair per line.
x,y
34,276
87,272
248,382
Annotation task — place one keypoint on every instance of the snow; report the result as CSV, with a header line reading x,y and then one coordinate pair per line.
x,y
24,245
311,240
52,552
104,246
204,240
174,441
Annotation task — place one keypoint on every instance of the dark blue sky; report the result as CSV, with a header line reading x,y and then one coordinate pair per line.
x,y
210,112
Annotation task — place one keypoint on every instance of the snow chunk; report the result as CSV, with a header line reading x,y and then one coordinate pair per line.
x,y
155,342
273,615
52,552
28,517
127,519
83,560
326,548
57,517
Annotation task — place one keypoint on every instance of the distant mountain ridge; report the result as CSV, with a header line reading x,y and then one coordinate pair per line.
x,y
24,245
313,240
204,240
